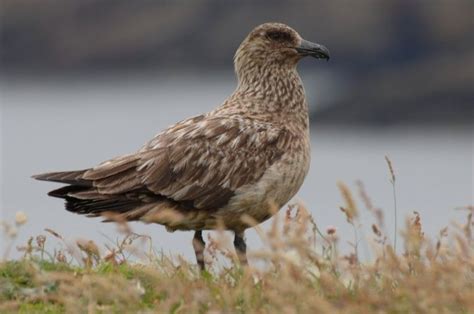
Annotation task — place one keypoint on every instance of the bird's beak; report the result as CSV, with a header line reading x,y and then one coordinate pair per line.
x,y
307,48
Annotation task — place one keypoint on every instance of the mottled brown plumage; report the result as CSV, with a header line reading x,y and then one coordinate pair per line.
x,y
249,156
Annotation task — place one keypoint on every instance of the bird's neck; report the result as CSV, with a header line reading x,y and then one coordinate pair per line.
x,y
274,92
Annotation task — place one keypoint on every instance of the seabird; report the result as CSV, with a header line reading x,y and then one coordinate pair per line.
x,y
246,158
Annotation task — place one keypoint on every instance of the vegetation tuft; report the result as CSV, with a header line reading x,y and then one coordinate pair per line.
x,y
300,270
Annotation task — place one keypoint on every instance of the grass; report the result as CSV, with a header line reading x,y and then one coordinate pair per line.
x,y
300,270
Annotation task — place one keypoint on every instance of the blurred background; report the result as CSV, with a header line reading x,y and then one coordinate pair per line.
x,y
83,81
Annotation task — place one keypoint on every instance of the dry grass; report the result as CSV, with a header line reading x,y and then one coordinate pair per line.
x,y
302,271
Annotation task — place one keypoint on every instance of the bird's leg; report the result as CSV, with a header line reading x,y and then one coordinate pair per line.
x,y
240,247
199,245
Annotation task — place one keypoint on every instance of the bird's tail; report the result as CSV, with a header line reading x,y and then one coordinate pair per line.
x,y
83,198
67,177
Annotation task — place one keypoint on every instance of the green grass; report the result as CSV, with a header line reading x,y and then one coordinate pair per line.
x,y
423,279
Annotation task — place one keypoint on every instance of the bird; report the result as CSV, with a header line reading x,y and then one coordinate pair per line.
x,y
243,160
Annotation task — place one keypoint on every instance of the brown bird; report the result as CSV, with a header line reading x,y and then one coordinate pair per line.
x,y
247,157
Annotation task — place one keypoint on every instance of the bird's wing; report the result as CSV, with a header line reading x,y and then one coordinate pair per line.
x,y
201,161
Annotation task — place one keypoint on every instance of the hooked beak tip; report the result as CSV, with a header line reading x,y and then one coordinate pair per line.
x,y
307,48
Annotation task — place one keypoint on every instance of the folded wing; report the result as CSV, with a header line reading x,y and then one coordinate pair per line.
x,y
198,163
207,161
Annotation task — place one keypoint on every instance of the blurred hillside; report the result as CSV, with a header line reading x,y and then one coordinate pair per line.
x,y
391,61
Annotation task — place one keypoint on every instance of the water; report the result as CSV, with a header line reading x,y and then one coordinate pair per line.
x,y
50,125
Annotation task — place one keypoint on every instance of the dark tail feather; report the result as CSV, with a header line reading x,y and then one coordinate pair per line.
x,y
68,177
82,198
65,190
95,208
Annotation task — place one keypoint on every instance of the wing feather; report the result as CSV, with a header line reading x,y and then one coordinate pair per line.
x,y
207,161
201,161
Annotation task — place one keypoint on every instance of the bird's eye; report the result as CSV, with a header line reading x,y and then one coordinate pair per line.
x,y
279,36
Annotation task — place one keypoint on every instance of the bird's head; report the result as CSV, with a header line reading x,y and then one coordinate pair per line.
x,y
276,44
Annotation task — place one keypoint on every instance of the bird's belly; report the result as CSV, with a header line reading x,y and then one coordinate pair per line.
x,y
274,189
